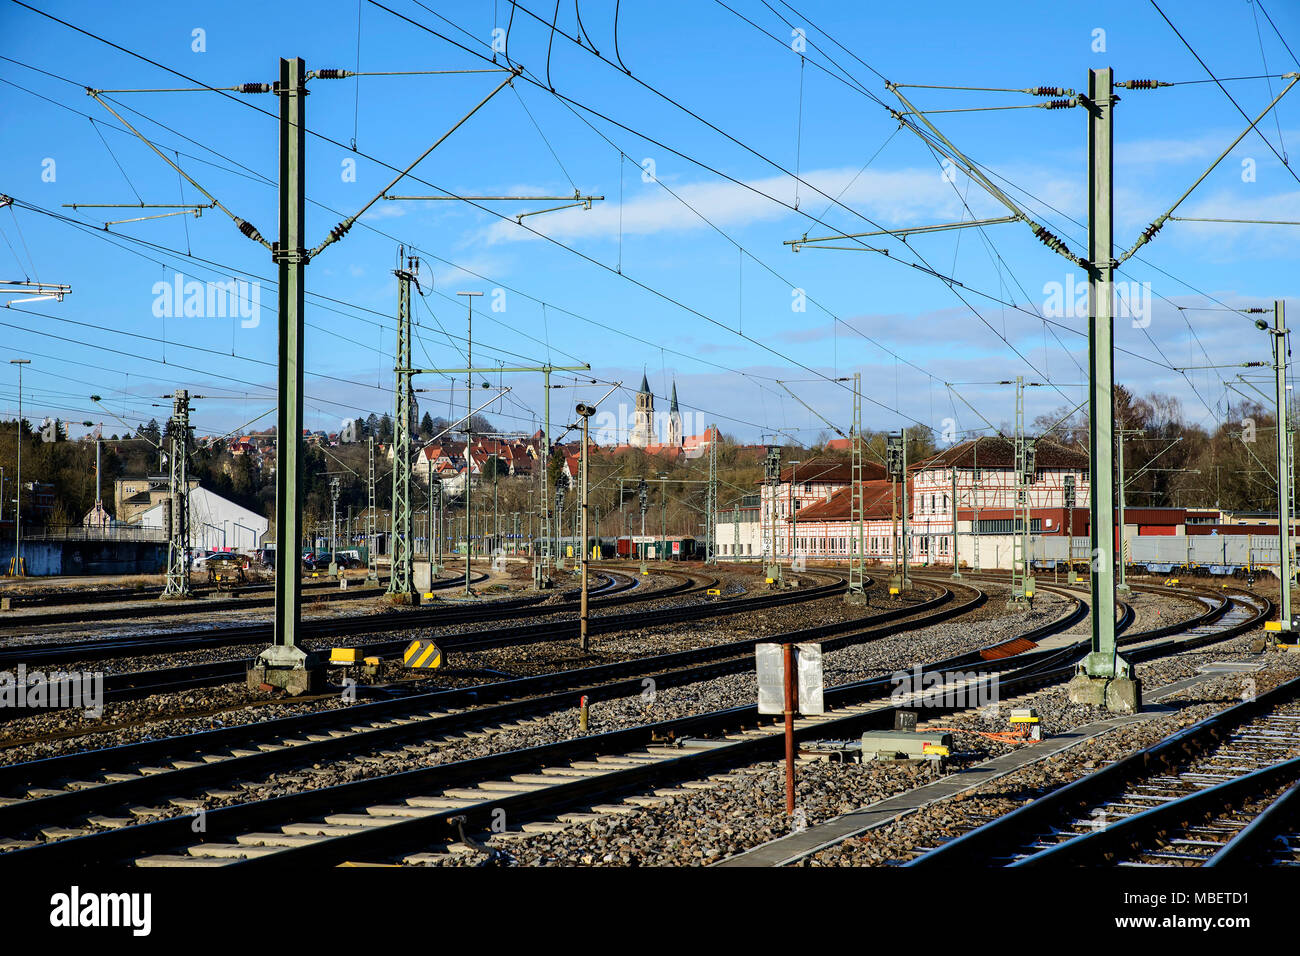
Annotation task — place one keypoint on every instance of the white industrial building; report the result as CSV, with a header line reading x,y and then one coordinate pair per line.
x,y
739,534
215,522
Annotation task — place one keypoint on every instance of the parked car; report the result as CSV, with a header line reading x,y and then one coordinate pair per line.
x,y
199,559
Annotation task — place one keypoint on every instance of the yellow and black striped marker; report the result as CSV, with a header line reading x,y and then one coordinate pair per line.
x,y
422,654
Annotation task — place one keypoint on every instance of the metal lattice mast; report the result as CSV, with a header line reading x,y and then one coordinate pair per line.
x,y
773,475
975,518
1017,543
956,564
372,560
400,580
334,525
643,496
857,555
469,433
1290,458
907,506
1070,497
550,530
711,505
735,531
435,524
1121,561
894,468
1020,516
178,564
1284,469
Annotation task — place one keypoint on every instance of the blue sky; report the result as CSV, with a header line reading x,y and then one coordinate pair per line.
x,y
684,273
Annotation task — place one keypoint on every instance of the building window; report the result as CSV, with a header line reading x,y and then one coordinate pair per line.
x,y
1007,526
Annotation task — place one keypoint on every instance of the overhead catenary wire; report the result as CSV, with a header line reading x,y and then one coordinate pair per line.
x,y
669,298
425,27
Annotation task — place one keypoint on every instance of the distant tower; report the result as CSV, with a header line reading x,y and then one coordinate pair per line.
x,y
643,419
674,421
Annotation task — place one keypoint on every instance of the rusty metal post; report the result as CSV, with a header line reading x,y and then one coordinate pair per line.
x,y
787,651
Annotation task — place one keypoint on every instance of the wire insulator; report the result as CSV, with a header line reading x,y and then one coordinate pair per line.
x,y
333,74
1048,91
1046,237
1059,104
249,230
254,87
1143,84
1256,310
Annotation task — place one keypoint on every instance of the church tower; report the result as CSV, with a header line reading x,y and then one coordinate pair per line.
x,y
674,422
643,419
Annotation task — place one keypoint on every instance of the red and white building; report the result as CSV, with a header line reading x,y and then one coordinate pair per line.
x,y
809,511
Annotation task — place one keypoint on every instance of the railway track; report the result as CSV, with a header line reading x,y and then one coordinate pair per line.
x,y
517,783
60,597
61,787
1221,618
137,684
203,603
1155,791
44,654
426,810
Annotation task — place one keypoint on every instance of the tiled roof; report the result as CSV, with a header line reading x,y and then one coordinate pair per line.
x,y
830,470
997,452
877,502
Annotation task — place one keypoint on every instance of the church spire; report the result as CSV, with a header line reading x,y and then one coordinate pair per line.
x,y
673,407
645,385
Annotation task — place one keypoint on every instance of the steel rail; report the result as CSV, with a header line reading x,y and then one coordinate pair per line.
x,y
1127,835
68,596
490,703
195,638
133,685
1251,843
225,821
999,837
